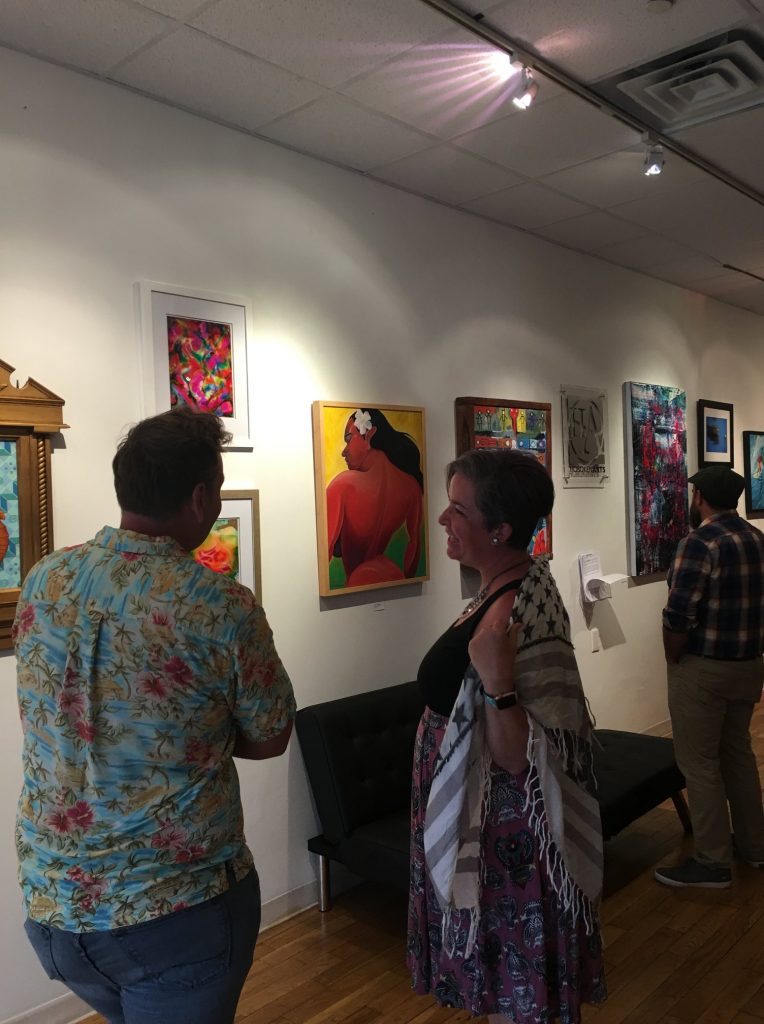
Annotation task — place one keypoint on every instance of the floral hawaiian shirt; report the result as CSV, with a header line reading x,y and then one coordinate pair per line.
x,y
137,667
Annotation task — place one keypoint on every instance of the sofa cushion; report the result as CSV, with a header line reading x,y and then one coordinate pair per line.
x,y
380,850
635,773
359,752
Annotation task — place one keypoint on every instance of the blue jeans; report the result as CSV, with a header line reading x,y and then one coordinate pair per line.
x,y
184,968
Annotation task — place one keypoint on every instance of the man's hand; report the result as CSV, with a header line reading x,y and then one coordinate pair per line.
x,y
674,645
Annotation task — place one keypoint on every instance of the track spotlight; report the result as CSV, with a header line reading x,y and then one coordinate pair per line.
x,y
654,158
527,90
501,65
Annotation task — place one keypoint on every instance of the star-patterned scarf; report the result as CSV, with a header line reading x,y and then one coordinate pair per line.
x,y
560,788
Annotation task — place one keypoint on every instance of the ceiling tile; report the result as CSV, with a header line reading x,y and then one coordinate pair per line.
x,y
748,254
690,270
593,38
90,34
178,9
526,206
446,174
619,178
749,259
719,142
549,136
704,217
338,130
328,41
184,68
645,253
591,231
445,87
476,7
751,297
737,290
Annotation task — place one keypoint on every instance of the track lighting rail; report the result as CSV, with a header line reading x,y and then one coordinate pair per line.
x,y
477,26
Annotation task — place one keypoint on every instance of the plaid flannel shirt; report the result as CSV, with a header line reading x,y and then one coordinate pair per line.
x,y
716,589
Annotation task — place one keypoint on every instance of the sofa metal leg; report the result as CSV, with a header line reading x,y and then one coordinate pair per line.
x,y
324,888
683,811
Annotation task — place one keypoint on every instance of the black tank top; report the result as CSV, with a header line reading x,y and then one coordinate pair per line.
x,y
442,669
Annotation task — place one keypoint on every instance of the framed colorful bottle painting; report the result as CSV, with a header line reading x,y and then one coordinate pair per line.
x,y
194,352
28,417
507,423
232,547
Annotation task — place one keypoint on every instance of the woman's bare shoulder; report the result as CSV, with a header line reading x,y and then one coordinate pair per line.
x,y
501,609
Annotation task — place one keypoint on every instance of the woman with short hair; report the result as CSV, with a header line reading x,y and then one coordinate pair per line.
x,y
506,865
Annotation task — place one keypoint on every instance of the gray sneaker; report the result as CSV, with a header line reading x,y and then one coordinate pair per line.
x,y
693,873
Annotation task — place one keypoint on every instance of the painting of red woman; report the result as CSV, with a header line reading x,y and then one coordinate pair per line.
x,y
371,496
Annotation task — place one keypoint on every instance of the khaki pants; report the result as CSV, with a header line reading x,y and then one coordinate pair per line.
x,y
711,704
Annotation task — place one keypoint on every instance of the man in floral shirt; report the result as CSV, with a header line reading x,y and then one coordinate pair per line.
x,y
141,675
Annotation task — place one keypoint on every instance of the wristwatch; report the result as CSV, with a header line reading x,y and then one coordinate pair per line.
x,y
500,701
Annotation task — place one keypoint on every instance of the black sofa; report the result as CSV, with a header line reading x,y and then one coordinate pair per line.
x,y
358,754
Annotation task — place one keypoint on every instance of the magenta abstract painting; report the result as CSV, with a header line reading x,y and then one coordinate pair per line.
x,y
656,450
200,364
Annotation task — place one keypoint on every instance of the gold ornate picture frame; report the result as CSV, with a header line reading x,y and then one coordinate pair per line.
x,y
28,417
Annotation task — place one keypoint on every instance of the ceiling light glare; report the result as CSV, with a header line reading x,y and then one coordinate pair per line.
x,y
654,159
501,65
528,90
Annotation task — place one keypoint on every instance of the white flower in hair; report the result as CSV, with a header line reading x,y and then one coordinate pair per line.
x,y
362,421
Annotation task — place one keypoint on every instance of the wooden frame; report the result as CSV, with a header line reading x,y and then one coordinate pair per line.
x,y
753,459
507,423
716,446
236,554
179,323
28,416
365,543
584,437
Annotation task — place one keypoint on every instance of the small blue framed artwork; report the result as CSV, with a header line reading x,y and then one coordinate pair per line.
x,y
715,434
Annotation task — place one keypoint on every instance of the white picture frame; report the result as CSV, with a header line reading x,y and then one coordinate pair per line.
x,y
163,308
584,437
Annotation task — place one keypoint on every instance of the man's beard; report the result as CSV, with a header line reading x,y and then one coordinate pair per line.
x,y
695,517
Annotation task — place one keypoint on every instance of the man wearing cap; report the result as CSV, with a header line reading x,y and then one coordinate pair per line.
x,y
713,637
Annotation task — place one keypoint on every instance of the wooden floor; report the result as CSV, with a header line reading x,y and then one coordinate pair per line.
x,y
673,956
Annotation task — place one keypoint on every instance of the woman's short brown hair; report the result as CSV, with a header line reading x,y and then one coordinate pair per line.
x,y
510,487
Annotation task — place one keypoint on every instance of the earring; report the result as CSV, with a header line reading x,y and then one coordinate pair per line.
x,y
494,540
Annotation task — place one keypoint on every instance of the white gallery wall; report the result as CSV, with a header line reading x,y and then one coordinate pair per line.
x,y
357,292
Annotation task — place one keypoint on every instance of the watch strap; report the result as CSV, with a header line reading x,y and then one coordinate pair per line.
x,y
500,701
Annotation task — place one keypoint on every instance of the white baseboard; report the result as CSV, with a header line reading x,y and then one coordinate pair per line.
x,y
291,903
660,729
297,900
66,1009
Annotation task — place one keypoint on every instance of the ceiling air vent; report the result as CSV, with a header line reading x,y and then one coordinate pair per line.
x,y
717,77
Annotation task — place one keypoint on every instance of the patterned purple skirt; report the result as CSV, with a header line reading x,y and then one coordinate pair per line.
x,y
532,963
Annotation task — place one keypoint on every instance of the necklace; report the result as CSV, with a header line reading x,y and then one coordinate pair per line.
x,y
482,594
